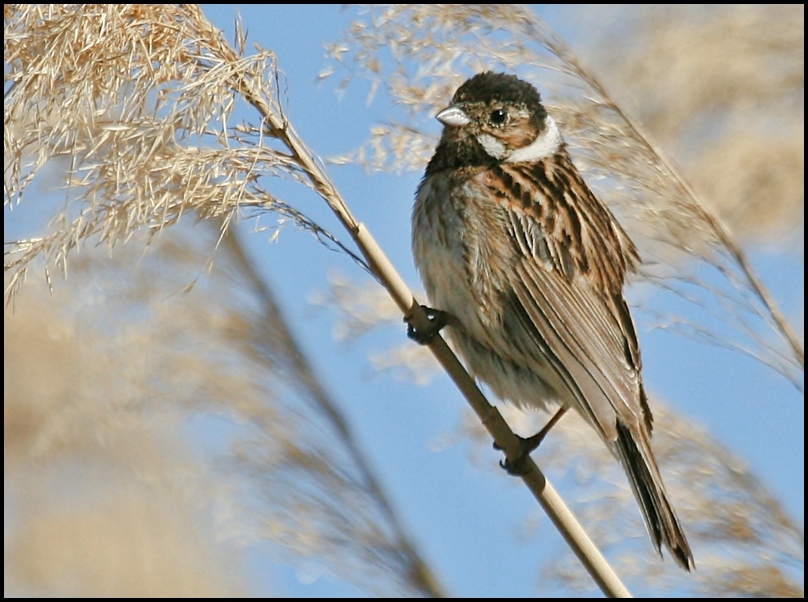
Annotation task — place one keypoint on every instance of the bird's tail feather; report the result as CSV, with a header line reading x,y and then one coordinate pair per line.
x,y
635,454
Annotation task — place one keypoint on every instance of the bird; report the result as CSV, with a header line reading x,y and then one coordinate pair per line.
x,y
525,267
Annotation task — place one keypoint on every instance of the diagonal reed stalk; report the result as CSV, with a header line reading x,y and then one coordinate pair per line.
x,y
279,128
82,85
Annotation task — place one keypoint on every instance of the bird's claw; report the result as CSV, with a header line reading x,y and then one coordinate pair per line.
x,y
517,466
437,320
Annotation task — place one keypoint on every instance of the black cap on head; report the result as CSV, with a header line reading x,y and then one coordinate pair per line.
x,y
489,86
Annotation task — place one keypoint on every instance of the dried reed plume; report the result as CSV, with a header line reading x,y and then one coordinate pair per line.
x,y
420,54
135,102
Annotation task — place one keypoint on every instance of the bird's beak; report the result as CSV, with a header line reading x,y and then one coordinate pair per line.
x,y
453,116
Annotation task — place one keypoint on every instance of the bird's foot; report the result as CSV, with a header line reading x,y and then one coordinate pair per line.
x,y
518,466
437,321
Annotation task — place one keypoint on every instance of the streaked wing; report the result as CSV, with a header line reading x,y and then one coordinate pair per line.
x,y
557,219
586,346
567,291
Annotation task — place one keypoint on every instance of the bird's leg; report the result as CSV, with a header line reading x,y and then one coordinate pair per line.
x,y
516,467
532,443
437,321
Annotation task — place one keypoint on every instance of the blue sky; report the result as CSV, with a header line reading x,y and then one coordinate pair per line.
x,y
465,516
745,405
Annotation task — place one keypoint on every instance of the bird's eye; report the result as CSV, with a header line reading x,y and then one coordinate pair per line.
x,y
499,116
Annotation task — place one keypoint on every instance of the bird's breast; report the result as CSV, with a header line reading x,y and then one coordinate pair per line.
x,y
454,246
461,251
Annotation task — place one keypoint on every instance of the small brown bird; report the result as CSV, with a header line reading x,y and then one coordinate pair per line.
x,y
525,267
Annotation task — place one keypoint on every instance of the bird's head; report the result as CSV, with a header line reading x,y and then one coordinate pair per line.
x,y
499,117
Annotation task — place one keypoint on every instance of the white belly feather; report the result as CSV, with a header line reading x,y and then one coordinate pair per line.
x,y
439,249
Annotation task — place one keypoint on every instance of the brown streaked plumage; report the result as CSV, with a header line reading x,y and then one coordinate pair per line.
x,y
530,266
